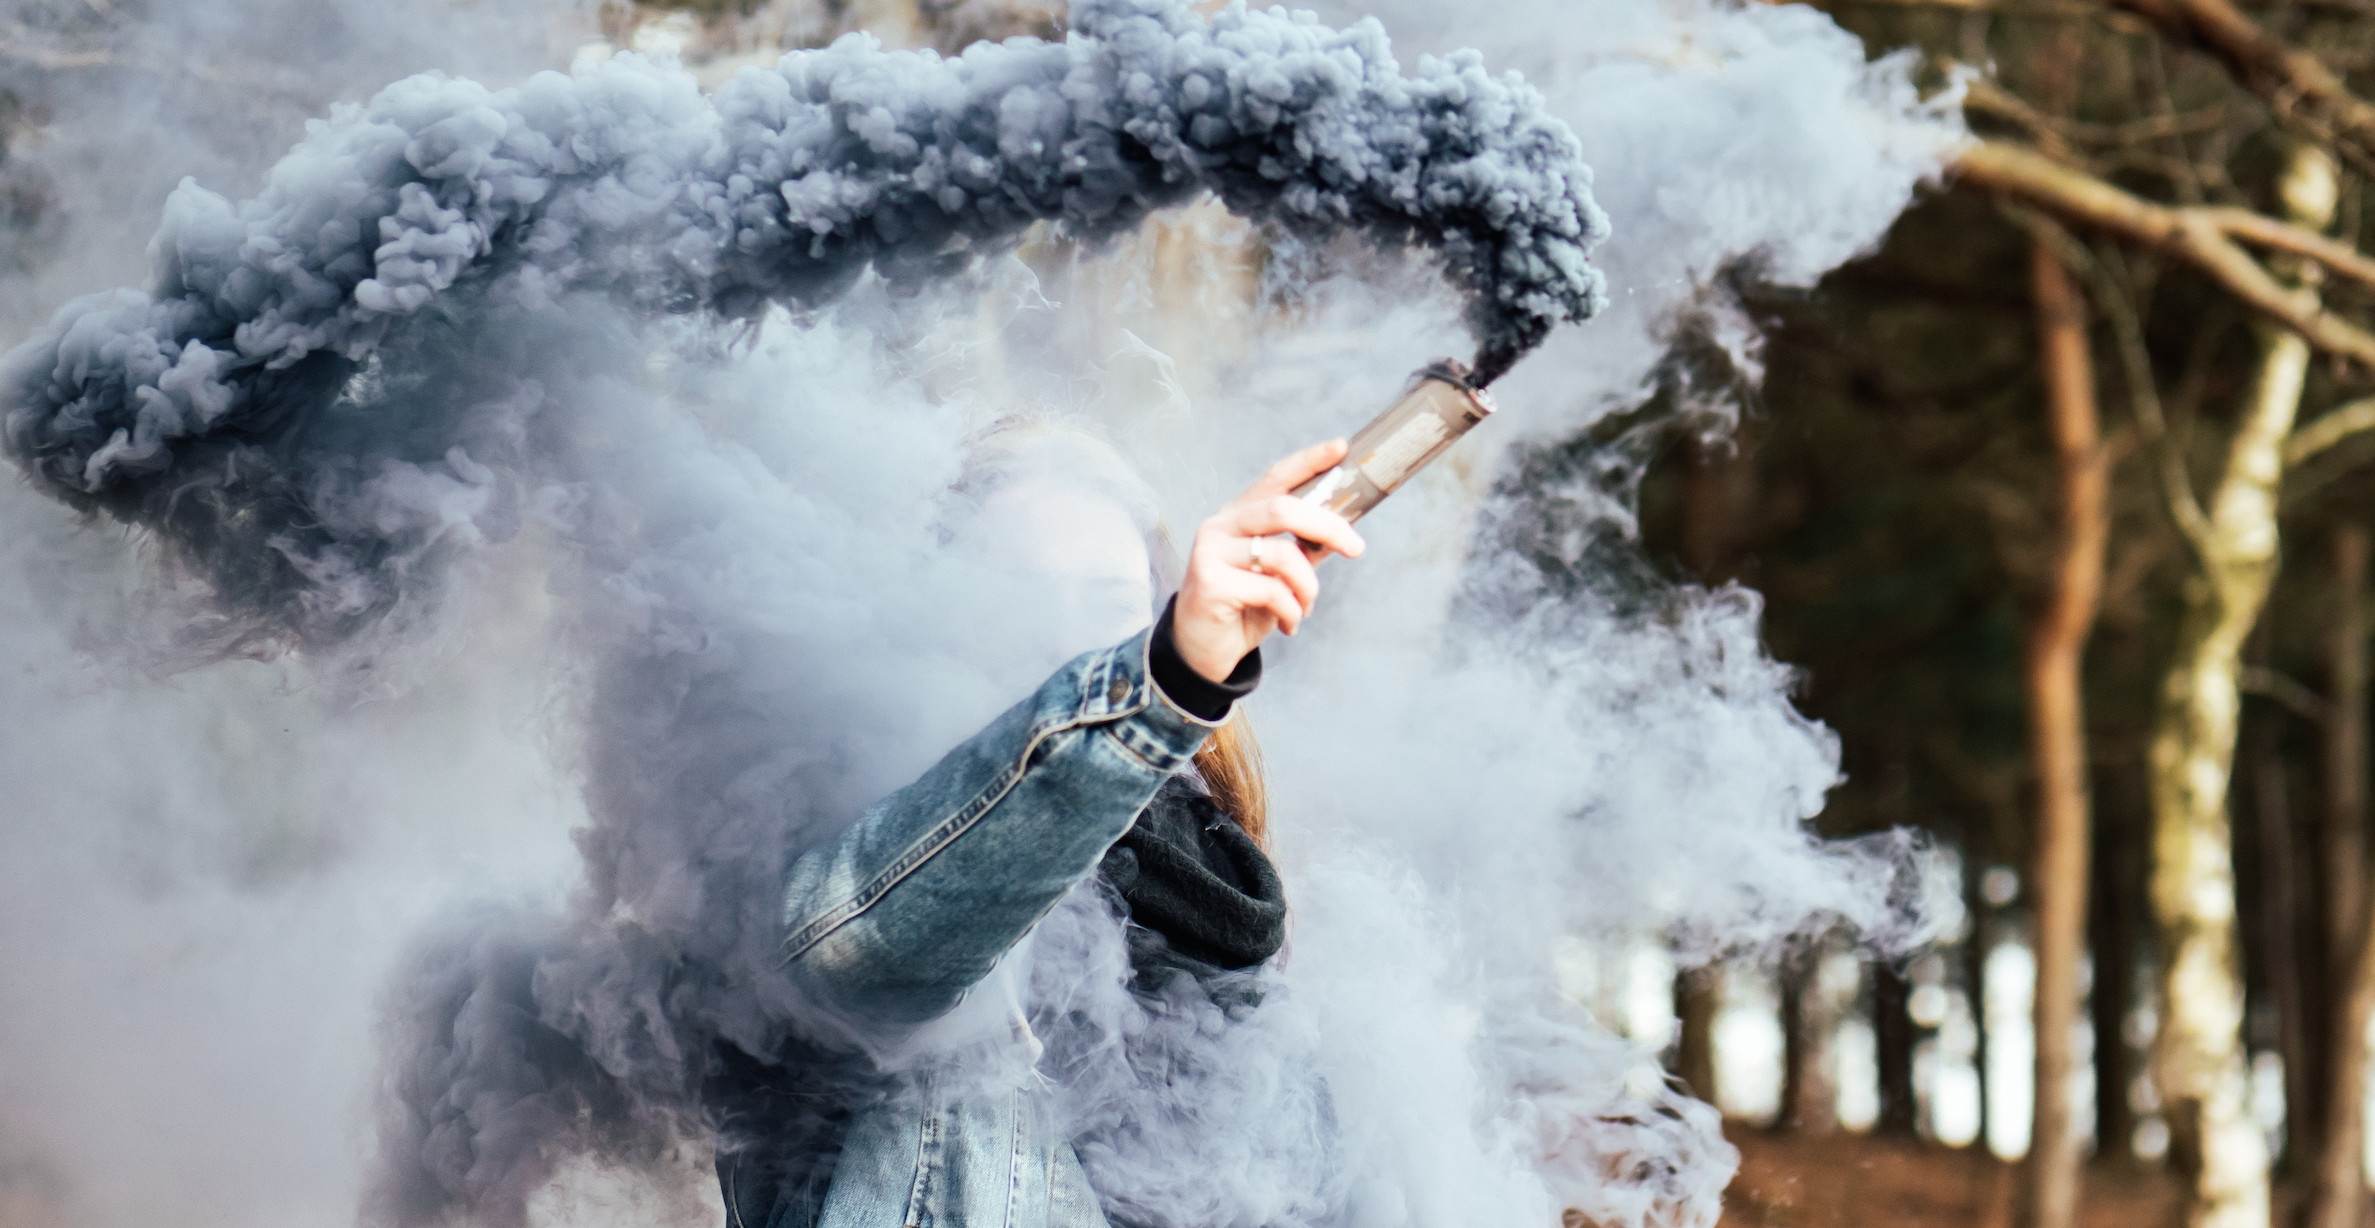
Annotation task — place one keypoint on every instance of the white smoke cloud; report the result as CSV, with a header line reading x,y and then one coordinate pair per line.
x,y
752,543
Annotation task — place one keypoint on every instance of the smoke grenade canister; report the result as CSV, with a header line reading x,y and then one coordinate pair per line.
x,y
1441,405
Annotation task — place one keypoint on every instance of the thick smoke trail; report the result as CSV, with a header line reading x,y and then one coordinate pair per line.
x,y
774,591
261,413
190,409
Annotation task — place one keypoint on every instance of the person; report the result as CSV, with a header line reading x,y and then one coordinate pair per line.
x,y
903,930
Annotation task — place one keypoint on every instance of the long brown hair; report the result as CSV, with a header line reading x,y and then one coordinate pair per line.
x,y
1231,764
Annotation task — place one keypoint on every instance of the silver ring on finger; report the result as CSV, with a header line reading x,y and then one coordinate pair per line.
x,y
1253,556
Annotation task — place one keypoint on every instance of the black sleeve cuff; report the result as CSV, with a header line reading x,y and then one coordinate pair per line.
x,y
1195,694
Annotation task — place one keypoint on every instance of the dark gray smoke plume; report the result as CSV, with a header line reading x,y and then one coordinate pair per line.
x,y
423,335
206,408
751,584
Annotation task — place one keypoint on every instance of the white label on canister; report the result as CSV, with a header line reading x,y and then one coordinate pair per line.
x,y
1328,486
1403,450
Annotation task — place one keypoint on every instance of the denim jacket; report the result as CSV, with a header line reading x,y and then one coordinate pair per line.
x,y
893,923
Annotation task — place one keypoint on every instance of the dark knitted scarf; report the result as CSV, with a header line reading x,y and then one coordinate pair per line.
x,y
1197,886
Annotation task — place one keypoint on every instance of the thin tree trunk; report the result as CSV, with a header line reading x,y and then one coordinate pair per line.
x,y
2216,1146
1718,494
2286,963
2053,676
2114,904
2345,848
1975,951
2337,1195
1695,1002
2328,861
1809,1097
1892,989
1715,495
1892,1036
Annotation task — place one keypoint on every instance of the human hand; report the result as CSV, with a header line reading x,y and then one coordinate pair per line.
x,y
1244,581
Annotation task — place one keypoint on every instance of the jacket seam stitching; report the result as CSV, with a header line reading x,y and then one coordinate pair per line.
x,y
931,843
927,1156
1134,753
1015,1161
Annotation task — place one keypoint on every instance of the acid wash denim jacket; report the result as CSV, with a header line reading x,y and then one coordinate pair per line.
x,y
897,919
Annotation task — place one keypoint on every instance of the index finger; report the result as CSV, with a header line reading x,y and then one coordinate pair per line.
x,y
1297,469
1316,525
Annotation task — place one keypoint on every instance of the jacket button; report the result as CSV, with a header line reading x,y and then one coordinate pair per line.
x,y
1119,691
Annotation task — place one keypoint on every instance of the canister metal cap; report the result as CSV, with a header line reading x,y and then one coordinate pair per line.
x,y
1456,373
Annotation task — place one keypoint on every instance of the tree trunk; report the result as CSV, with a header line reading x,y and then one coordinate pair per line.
x,y
1718,495
1716,489
2337,1193
2216,1146
2115,903
1809,1096
1892,1036
2053,676
2345,764
2283,934
1695,1002
1892,990
1975,951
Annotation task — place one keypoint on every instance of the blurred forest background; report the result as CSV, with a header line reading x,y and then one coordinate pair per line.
x,y
2062,503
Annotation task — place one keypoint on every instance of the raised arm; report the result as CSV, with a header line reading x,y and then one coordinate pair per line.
x,y
914,904
891,922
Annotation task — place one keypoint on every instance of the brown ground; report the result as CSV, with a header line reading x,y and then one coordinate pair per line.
x,y
1838,1181
1847,1180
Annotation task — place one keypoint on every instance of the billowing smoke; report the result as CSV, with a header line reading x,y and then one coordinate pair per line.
x,y
196,408
730,569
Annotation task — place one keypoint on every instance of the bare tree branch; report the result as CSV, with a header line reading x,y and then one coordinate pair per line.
x,y
1984,95
2328,429
2177,489
2265,231
2196,235
2075,10
2301,89
2288,693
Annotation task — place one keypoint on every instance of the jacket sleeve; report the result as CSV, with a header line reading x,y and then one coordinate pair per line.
x,y
893,920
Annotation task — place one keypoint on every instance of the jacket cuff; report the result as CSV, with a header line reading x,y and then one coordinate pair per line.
x,y
1118,692
1194,693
